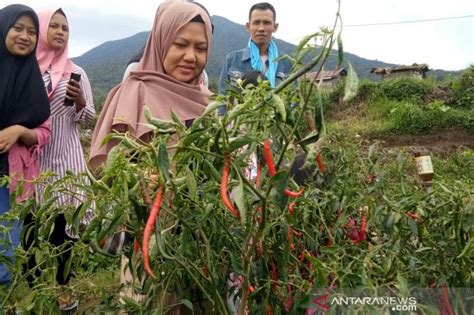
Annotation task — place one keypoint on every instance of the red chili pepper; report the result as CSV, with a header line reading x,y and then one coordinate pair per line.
x,y
298,234
301,256
269,309
154,213
267,154
292,246
136,246
274,275
448,308
320,163
259,175
360,234
291,208
412,215
352,233
293,194
224,182
289,300
363,228
260,248
290,238
251,288
259,215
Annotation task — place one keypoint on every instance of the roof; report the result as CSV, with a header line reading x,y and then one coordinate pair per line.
x,y
325,75
414,67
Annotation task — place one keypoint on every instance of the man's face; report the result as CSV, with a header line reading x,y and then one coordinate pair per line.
x,y
261,26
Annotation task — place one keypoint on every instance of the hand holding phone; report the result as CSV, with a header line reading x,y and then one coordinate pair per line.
x,y
76,77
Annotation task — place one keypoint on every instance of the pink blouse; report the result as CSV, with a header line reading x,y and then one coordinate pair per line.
x,y
23,161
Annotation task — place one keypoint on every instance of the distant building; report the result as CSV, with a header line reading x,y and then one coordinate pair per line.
x,y
326,79
415,71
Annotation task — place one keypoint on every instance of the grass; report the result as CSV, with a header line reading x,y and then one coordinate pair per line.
x,y
377,110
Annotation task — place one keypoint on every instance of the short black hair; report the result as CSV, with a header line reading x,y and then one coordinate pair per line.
x,y
263,6
251,77
198,18
60,11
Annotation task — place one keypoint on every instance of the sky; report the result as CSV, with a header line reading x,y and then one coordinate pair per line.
x,y
446,44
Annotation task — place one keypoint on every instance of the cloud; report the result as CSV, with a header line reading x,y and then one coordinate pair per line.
x,y
442,44
89,29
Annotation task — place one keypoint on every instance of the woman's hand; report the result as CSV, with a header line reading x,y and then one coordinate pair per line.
x,y
74,92
9,136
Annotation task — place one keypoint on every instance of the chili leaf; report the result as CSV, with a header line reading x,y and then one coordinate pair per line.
x,y
162,161
192,184
188,304
279,106
239,194
311,138
177,120
239,142
158,123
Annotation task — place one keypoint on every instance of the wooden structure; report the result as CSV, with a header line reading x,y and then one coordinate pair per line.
x,y
415,71
326,79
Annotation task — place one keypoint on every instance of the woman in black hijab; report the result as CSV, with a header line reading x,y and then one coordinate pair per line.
x,y
24,112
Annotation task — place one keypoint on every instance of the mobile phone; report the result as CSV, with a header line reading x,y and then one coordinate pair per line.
x,y
75,77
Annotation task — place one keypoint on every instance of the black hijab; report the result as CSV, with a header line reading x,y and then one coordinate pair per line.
x,y
23,98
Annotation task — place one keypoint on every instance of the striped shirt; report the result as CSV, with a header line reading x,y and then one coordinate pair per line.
x,y
64,151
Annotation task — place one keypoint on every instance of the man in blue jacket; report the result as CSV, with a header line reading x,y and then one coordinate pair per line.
x,y
261,50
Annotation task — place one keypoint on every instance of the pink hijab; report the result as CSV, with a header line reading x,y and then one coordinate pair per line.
x,y
150,86
61,65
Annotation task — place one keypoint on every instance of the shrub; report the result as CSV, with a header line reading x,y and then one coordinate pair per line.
x,y
464,89
410,118
405,89
366,90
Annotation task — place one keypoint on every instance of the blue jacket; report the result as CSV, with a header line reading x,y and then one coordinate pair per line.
x,y
237,63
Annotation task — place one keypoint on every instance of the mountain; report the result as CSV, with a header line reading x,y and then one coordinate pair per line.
x,y
106,63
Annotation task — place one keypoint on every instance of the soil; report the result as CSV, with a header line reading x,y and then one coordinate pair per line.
x,y
442,144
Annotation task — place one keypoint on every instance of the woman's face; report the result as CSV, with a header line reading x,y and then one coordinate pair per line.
x,y
21,37
58,32
187,56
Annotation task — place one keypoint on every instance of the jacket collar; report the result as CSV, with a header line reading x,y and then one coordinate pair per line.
x,y
246,54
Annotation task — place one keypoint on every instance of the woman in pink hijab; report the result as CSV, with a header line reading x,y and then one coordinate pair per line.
x,y
64,152
167,78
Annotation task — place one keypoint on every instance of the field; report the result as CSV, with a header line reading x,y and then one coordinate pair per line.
x,y
356,221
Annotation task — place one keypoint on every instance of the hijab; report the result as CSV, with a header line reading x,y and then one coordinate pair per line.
x,y
23,99
139,54
61,65
150,86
